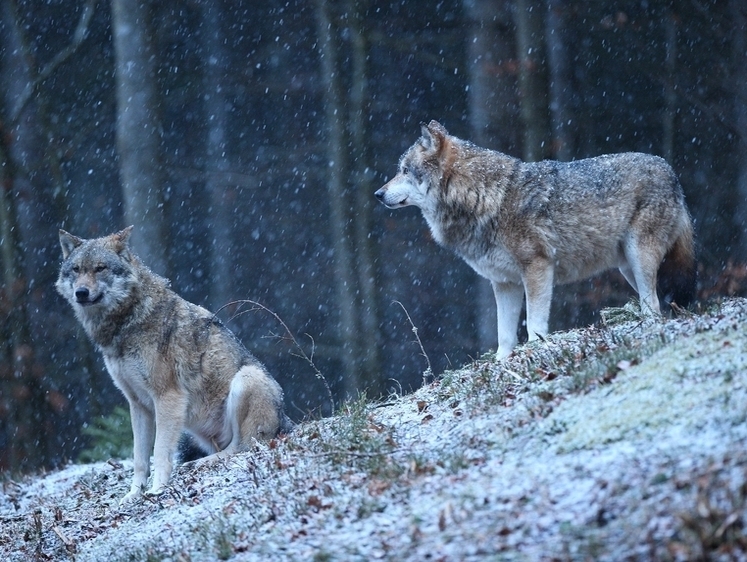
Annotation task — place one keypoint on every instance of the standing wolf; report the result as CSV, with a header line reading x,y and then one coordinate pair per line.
x,y
527,226
177,365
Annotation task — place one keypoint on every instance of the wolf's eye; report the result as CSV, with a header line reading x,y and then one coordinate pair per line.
x,y
100,268
76,269
405,170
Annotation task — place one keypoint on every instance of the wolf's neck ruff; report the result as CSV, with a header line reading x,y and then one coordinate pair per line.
x,y
462,203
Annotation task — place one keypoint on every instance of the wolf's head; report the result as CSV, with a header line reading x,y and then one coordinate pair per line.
x,y
421,171
98,274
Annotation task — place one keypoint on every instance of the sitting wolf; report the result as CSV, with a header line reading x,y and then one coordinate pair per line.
x,y
177,365
526,226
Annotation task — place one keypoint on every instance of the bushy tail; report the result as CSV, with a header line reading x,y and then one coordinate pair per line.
x,y
678,275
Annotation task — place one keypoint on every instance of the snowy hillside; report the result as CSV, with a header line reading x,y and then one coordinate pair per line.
x,y
625,441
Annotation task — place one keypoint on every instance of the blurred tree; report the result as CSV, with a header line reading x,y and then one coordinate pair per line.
x,y
561,79
139,130
30,179
739,83
217,164
493,110
533,92
362,184
350,217
338,194
21,395
669,116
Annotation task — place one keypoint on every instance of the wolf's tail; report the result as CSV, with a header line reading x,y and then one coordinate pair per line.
x,y
678,274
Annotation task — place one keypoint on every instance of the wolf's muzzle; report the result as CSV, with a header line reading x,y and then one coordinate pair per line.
x,y
83,296
380,194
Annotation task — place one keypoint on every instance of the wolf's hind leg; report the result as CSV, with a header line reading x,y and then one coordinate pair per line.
x,y
253,407
627,272
508,300
644,263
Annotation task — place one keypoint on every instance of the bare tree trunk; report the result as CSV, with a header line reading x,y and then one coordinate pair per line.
x,y
23,412
561,88
339,199
139,130
362,181
739,53
670,94
492,95
217,166
22,395
492,111
529,17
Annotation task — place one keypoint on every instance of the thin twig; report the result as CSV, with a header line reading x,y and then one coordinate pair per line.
x,y
429,371
290,338
69,544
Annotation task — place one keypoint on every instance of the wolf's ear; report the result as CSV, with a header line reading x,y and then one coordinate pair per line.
x,y
121,239
434,135
68,243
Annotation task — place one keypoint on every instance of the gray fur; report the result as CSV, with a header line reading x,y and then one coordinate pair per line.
x,y
528,226
177,365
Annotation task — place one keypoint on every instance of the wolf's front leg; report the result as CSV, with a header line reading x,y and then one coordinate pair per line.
x,y
508,299
143,436
538,280
171,411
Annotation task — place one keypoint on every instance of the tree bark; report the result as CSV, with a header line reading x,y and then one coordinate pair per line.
x,y
670,94
561,84
217,165
139,131
739,64
339,199
362,181
22,393
529,17
492,105
493,71
25,414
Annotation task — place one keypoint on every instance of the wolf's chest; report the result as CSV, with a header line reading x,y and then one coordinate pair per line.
x,y
480,247
495,264
130,375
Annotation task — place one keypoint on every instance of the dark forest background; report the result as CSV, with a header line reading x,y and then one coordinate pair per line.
x,y
244,140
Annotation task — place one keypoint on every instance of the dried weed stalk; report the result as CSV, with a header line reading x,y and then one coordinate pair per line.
x,y
429,371
288,337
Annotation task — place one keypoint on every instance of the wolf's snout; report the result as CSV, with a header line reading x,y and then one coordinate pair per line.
x,y
82,294
380,194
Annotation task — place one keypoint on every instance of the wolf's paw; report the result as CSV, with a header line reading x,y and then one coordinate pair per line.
x,y
155,491
130,497
503,352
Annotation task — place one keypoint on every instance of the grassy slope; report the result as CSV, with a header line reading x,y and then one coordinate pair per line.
x,y
620,442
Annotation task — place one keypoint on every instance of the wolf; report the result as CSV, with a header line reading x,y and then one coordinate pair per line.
x,y
528,226
178,366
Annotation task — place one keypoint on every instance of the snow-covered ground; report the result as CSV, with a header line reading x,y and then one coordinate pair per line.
x,y
622,442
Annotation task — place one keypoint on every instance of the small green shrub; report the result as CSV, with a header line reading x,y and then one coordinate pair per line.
x,y
110,437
